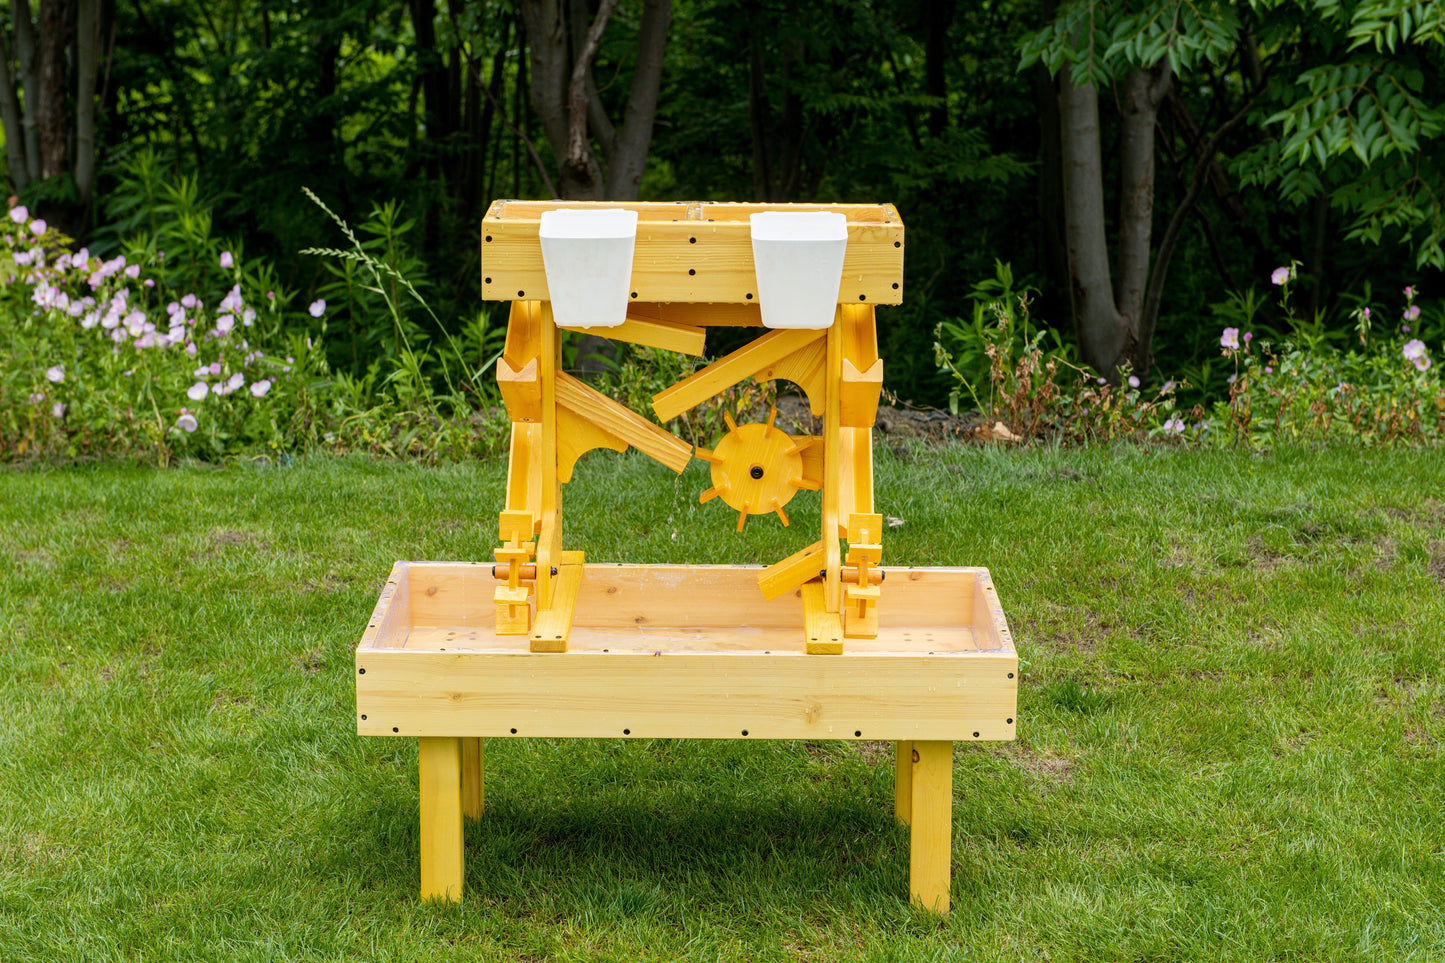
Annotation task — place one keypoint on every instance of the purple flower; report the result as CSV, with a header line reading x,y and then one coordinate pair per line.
x,y
19,214
186,422
271,295
317,308
1412,313
1174,426
198,391
1133,381
1413,350
1103,381
1232,379
1248,336
1268,370
260,388
1279,276
1366,313
1230,338
57,411
1404,329
38,227
133,271
57,374
226,260
1410,291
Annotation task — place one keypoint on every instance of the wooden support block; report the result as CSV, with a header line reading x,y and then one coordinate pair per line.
x,y
622,422
515,526
441,818
930,848
780,578
524,472
860,611
860,394
514,610
865,528
521,390
903,781
806,368
667,335
473,765
822,629
726,372
575,437
554,623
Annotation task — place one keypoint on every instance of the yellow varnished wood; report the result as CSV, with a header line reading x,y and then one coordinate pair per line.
x,y
862,372
711,240
806,368
705,315
622,423
524,471
903,781
756,469
668,335
930,846
521,390
473,782
822,629
832,458
554,624
549,538
782,577
726,372
575,437
440,760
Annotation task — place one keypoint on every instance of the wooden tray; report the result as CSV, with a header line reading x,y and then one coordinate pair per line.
x,y
664,651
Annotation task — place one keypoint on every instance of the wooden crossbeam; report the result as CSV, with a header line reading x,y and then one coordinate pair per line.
x,y
622,423
726,372
668,335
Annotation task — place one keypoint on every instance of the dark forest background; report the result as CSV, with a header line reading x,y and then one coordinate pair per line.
x,y
1142,166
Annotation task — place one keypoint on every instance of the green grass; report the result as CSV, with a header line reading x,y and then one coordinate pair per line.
x,y
1230,725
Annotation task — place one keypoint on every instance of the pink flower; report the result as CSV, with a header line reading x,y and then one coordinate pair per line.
x,y
1268,370
1280,276
1413,350
260,388
19,214
191,348
1133,381
1404,329
56,374
1421,364
1248,336
226,260
225,323
38,227
186,422
1412,313
1366,313
198,391
189,301
236,381
1230,338
133,271
1174,426
150,283
1410,291
317,308
271,295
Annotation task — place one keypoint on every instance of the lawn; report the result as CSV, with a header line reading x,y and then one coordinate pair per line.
x,y
1231,717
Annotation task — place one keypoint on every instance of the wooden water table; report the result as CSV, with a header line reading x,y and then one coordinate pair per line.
x,y
827,643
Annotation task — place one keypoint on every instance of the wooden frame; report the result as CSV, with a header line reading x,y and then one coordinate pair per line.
x,y
823,644
645,663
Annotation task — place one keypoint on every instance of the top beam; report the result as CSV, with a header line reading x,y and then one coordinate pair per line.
x,y
693,252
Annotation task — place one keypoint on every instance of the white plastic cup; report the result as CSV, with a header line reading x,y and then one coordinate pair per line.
x,y
798,260
588,259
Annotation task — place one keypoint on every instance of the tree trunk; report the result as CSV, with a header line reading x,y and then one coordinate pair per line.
x,y
1104,336
52,121
1143,92
627,155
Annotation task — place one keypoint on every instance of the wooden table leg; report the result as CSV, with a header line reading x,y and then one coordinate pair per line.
x,y
931,844
903,781
441,818
473,785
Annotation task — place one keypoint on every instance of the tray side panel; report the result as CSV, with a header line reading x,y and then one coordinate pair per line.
x,y
963,697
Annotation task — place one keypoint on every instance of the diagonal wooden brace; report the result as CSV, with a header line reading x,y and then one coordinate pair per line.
x,y
722,374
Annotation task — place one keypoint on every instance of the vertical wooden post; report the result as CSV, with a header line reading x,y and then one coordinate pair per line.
x,y
441,818
931,845
903,781
832,469
473,785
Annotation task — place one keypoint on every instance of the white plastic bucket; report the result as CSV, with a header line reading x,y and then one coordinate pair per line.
x,y
588,259
798,260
